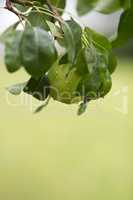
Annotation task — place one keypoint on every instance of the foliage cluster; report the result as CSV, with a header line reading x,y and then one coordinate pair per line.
x,y
82,71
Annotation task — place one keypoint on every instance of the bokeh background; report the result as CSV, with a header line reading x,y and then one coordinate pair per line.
x,y
56,155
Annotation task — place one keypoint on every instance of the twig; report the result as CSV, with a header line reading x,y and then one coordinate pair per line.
x,y
54,10
9,7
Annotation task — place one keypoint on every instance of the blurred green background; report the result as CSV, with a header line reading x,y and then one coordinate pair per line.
x,y
56,155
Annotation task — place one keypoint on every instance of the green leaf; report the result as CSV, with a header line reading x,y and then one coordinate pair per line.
x,y
103,6
95,47
106,84
41,107
38,52
82,108
69,42
112,62
72,39
97,83
12,53
110,6
6,34
17,88
98,40
54,30
58,3
63,83
39,89
38,19
77,33
85,59
125,29
84,6
21,8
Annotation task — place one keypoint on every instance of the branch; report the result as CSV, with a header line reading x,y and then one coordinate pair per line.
x,y
11,9
50,7
53,9
48,3
30,3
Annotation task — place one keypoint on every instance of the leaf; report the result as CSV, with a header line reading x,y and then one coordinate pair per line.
x,y
39,89
38,52
41,107
97,82
77,33
84,6
4,36
100,41
94,45
125,29
112,63
54,30
17,88
106,84
85,57
63,83
103,6
82,108
69,42
72,39
12,53
110,6
20,8
58,3
38,19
